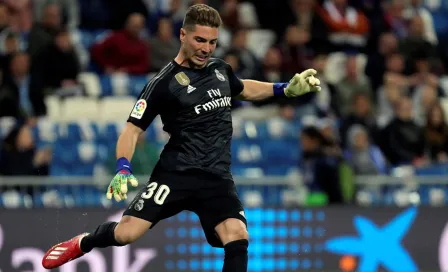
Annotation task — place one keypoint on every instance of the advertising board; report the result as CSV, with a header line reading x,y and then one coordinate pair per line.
x,y
327,239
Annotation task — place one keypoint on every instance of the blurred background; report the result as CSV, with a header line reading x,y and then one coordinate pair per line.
x,y
376,136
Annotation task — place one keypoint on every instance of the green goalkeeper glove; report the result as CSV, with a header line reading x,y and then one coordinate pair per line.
x,y
300,84
118,187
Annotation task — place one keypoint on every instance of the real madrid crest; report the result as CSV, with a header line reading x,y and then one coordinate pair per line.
x,y
139,205
219,75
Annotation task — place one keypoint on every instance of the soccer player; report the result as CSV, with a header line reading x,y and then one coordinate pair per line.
x,y
192,94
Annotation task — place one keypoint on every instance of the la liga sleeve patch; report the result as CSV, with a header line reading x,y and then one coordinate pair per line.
x,y
139,109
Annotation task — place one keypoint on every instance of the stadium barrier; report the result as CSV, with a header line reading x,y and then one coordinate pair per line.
x,y
265,191
317,239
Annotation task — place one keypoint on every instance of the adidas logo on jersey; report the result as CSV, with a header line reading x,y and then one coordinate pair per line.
x,y
190,89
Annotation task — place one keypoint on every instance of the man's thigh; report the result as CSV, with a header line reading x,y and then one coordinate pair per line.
x,y
162,196
215,202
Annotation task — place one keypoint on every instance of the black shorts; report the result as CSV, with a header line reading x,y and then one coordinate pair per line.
x,y
213,198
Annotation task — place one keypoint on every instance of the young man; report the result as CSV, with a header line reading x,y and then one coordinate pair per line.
x,y
193,96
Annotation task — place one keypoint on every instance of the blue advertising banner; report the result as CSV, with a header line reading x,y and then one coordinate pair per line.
x,y
328,239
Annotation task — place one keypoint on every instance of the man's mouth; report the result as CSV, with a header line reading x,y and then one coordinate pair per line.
x,y
201,58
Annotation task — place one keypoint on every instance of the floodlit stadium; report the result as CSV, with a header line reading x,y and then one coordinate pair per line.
x,y
351,178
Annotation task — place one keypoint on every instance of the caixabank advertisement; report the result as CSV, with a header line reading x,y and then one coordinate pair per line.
x,y
327,239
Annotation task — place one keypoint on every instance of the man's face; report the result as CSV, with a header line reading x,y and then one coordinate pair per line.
x,y
198,44
20,65
135,24
4,15
52,16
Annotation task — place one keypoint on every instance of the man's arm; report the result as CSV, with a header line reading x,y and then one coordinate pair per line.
x,y
300,84
127,141
143,113
256,90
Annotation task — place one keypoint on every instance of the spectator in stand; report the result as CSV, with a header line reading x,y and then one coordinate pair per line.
x,y
124,51
376,62
364,157
306,18
20,157
229,15
424,99
436,135
296,56
394,17
164,46
58,66
414,8
272,64
352,83
403,140
69,11
250,66
16,98
320,171
347,27
415,42
395,87
21,15
362,113
11,48
43,32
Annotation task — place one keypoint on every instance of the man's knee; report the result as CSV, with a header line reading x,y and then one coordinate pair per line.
x,y
130,229
232,230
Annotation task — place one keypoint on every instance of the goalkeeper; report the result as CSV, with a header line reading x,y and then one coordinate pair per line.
x,y
192,94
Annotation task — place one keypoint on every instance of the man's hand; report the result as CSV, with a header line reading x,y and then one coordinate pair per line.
x,y
119,185
303,83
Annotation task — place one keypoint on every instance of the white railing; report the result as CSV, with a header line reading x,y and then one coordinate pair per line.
x,y
265,180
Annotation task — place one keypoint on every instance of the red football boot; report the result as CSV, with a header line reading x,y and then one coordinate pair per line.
x,y
63,252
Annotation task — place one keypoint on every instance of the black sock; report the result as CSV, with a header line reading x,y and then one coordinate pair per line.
x,y
235,259
102,237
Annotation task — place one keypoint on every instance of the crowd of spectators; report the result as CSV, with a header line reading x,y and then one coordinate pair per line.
x,y
380,64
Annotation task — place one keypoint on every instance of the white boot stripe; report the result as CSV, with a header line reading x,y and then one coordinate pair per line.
x,y
54,252
61,248
52,257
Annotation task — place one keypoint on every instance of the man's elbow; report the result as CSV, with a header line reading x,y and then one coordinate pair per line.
x,y
131,130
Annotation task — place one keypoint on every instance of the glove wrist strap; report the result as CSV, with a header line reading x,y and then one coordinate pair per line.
x,y
279,89
123,164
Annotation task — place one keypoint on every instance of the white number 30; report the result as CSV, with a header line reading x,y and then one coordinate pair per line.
x,y
160,195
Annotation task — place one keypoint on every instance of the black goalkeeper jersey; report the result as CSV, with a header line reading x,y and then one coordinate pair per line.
x,y
195,108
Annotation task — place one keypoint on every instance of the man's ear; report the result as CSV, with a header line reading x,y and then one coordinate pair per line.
x,y
182,35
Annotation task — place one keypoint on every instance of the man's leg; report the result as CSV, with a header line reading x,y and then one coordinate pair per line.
x,y
127,231
222,218
235,238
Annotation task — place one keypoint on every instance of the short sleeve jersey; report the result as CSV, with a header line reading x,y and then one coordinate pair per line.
x,y
195,109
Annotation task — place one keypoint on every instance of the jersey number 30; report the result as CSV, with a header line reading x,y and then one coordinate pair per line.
x,y
161,194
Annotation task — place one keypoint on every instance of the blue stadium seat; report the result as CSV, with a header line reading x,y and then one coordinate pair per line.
x,y
45,132
6,125
245,171
278,170
440,19
246,153
111,131
281,152
282,129
137,83
433,170
65,154
106,85
78,131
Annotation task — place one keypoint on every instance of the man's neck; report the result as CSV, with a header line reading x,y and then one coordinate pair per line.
x,y
183,61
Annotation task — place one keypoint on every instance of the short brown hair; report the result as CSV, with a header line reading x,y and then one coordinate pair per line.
x,y
201,14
